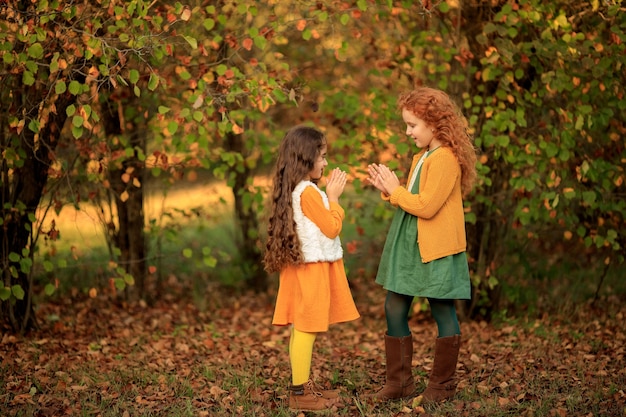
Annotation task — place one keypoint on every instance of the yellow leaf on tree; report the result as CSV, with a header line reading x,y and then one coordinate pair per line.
x,y
209,77
124,196
237,130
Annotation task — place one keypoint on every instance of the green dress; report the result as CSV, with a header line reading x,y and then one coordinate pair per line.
x,y
402,271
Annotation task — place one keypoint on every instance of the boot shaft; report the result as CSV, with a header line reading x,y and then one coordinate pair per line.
x,y
442,382
399,373
446,357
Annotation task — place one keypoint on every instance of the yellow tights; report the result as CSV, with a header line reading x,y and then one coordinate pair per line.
x,y
300,355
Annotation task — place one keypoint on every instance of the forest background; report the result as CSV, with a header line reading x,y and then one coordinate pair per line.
x,y
137,139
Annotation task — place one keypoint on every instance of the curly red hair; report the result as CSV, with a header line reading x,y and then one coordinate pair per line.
x,y
437,109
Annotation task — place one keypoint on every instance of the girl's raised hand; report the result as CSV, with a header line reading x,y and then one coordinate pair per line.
x,y
388,178
381,177
335,184
374,177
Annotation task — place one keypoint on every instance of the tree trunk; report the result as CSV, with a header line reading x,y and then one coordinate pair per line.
x,y
247,220
21,194
127,186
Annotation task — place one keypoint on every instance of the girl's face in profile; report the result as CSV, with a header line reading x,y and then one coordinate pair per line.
x,y
318,168
419,130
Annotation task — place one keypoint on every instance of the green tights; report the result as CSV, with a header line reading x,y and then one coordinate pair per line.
x,y
397,307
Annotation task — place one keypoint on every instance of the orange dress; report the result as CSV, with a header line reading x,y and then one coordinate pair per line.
x,y
314,295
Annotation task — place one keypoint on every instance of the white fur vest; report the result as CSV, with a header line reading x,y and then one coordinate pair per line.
x,y
316,246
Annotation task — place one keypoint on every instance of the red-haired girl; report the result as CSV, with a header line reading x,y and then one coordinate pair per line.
x,y
424,254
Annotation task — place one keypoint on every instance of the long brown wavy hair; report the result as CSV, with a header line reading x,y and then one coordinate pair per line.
x,y
437,109
297,154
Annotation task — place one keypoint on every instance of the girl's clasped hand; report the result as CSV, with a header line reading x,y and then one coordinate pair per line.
x,y
335,184
383,178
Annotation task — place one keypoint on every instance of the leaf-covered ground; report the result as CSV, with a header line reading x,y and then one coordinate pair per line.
x,y
97,357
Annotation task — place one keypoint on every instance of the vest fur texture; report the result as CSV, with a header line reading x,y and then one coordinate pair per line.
x,y
316,246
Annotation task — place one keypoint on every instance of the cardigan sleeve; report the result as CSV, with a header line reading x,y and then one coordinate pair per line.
x,y
440,172
329,221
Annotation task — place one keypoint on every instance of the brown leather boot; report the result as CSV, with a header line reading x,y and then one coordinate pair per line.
x,y
442,383
329,394
399,374
307,397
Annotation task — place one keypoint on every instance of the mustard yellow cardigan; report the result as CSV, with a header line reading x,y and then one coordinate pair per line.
x,y
438,206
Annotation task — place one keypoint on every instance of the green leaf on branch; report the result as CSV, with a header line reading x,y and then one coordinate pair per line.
x,y
492,282
77,132
49,289
191,41
119,283
33,126
133,76
75,87
35,51
260,42
28,78
25,265
210,261
589,197
208,24
77,121
153,82
18,292
60,87
5,293
172,127
129,279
